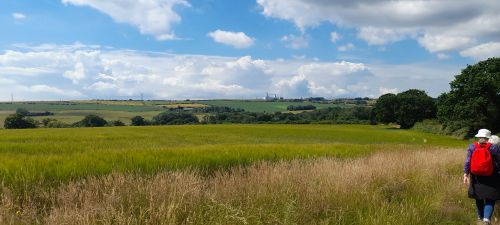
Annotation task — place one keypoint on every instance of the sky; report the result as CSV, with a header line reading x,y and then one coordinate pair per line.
x,y
227,49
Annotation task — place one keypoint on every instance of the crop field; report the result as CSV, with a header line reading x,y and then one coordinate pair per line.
x,y
74,111
264,106
231,174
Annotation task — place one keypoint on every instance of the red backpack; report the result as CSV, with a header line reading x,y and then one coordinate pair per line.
x,y
481,162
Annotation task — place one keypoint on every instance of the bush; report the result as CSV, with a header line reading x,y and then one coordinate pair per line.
x,y
175,118
300,107
429,126
91,121
57,124
19,121
117,123
138,121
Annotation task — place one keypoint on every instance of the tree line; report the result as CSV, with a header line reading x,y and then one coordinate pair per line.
x,y
473,102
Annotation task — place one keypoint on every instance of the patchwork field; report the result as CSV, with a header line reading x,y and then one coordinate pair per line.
x,y
123,110
263,106
231,174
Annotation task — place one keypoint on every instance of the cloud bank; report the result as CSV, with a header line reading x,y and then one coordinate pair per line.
x,y
440,26
81,72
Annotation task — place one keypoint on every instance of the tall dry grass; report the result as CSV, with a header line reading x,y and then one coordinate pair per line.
x,y
418,187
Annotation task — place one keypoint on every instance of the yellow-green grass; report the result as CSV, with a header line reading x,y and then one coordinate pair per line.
x,y
57,155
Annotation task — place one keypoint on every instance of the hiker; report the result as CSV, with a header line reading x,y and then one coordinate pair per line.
x,y
494,140
484,181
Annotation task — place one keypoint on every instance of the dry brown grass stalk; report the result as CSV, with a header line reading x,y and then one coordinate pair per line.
x,y
417,187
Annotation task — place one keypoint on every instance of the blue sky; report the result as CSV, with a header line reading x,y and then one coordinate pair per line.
x,y
204,49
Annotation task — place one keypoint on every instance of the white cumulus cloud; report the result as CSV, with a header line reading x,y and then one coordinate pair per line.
x,y
483,51
439,43
83,72
234,39
437,25
151,17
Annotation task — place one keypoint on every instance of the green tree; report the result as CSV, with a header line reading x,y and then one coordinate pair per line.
x,y
474,99
385,108
19,121
414,106
91,121
138,121
405,108
171,118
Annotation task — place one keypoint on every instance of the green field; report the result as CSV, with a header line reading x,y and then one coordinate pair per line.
x,y
63,154
73,111
264,106
231,174
203,173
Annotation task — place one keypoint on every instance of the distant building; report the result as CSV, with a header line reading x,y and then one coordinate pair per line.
x,y
269,98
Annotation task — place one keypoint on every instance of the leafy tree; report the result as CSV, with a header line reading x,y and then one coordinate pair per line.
x,y
173,118
414,106
91,121
385,108
474,99
405,108
138,121
19,121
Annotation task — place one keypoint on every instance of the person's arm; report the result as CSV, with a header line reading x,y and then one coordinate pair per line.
x,y
467,164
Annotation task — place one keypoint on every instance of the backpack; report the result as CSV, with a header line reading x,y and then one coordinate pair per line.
x,y
481,161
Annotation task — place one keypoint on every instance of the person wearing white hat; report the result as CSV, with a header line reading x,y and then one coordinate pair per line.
x,y
494,140
483,181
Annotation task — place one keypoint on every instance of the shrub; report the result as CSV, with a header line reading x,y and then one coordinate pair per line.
x,y
117,123
173,118
19,121
138,121
91,121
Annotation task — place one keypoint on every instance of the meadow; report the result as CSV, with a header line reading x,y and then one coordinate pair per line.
x,y
231,174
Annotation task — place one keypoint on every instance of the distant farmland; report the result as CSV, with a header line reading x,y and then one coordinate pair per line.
x,y
265,106
124,110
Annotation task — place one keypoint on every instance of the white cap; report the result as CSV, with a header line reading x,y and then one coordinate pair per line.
x,y
483,133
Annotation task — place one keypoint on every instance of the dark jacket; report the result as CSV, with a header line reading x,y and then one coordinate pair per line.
x,y
484,187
